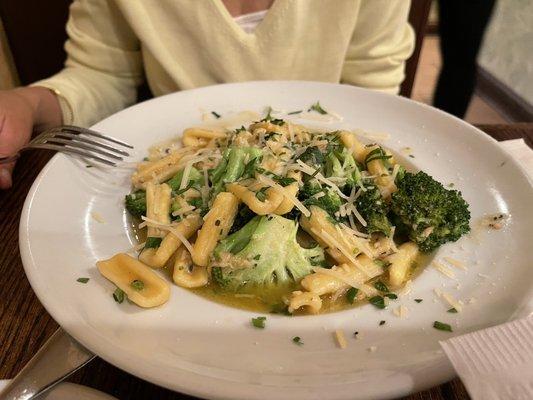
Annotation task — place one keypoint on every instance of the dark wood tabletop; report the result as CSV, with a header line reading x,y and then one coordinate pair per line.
x,y
25,325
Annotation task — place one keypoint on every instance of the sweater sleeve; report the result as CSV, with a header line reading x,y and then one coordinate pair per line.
x,y
381,43
103,66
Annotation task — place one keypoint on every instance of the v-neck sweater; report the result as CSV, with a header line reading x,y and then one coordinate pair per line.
x,y
113,45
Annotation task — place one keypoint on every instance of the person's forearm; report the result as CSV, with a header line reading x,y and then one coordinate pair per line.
x,y
45,106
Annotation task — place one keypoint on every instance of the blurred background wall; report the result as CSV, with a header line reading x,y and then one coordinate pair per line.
x,y
506,56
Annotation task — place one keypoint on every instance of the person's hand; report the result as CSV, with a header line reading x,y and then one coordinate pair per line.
x,y
21,111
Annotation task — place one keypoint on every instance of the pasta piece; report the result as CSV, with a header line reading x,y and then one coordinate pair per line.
x,y
199,137
160,170
123,270
383,178
216,226
359,151
401,262
337,279
272,201
341,277
309,300
292,189
183,275
158,198
340,246
157,258
268,126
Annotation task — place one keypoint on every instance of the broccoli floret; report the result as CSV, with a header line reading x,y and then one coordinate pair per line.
x,y
333,166
269,254
232,166
312,156
374,210
136,203
330,202
431,214
196,179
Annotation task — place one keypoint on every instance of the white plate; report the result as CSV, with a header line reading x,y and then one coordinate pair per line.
x,y
206,349
67,391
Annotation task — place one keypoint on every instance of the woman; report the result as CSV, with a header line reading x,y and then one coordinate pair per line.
x,y
114,45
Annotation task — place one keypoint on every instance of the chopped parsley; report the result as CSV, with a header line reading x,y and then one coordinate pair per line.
x,y
215,114
295,112
280,308
377,301
259,322
382,322
137,285
391,296
88,166
257,257
82,280
350,295
283,181
260,194
250,168
268,115
297,340
441,326
119,295
381,287
382,263
376,154
419,300
318,108
153,242
453,310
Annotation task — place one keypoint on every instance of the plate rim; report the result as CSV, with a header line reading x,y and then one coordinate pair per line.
x,y
27,257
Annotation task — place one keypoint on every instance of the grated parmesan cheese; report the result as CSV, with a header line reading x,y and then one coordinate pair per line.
x,y
341,339
391,240
98,217
186,174
318,176
455,263
332,242
171,229
281,189
443,270
395,170
401,311
457,304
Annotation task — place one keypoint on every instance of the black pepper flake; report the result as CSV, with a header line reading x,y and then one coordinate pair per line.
x,y
381,323
217,222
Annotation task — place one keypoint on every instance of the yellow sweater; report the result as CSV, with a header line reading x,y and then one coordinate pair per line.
x,y
114,45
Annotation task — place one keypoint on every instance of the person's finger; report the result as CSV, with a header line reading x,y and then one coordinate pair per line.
x,y
6,171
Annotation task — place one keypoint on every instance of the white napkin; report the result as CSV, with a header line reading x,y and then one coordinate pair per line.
x,y
521,152
495,363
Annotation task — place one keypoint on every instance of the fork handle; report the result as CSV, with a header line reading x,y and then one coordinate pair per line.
x,y
9,159
59,357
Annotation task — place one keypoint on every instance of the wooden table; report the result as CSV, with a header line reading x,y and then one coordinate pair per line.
x,y
25,325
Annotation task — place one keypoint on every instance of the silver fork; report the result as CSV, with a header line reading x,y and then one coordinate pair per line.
x,y
79,141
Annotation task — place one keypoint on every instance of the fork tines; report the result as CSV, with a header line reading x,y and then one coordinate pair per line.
x,y
83,142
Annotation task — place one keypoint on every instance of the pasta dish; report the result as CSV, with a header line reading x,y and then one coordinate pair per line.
x,y
279,217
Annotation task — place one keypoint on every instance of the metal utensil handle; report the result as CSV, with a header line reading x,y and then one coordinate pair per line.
x,y
59,357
